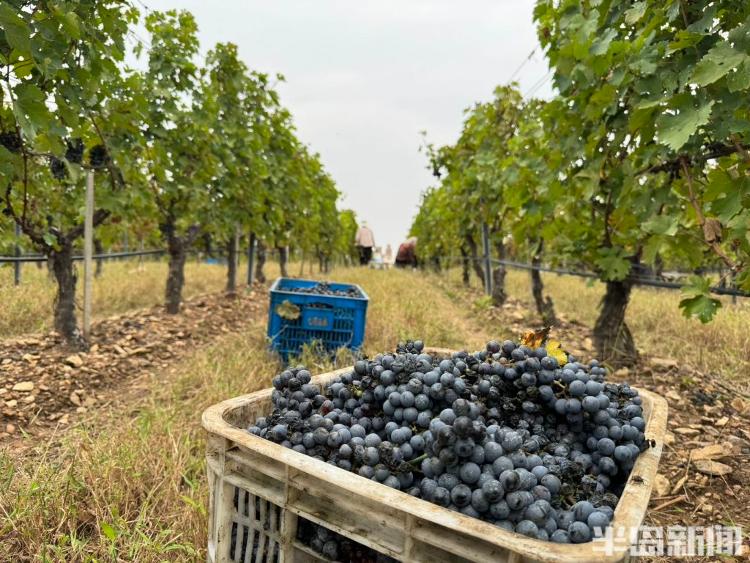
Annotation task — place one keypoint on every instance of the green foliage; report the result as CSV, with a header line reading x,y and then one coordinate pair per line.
x,y
199,148
657,93
59,66
698,301
183,148
222,152
344,245
477,177
437,225
178,117
244,101
643,156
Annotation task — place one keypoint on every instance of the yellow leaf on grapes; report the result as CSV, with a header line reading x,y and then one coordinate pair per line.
x,y
554,350
535,338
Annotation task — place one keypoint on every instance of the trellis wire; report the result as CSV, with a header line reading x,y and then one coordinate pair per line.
x,y
635,279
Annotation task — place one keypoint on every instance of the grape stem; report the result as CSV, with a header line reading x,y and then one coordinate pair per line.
x,y
711,242
418,459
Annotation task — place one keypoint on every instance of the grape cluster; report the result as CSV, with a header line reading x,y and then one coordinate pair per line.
x,y
98,156
701,398
57,168
11,141
506,434
336,547
325,288
74,151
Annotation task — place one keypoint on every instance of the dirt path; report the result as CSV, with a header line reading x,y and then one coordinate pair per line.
x,y
44,386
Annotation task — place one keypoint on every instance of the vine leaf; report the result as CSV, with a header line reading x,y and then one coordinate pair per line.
x,y
29,108
721,59
661,225
535,338
739,80
554,350
675,129
634,13
729,205
50,239
697,302
612,263
17,32
288,310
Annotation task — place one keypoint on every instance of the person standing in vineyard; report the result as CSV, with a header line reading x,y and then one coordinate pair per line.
x,y
365,242
388,256
407,254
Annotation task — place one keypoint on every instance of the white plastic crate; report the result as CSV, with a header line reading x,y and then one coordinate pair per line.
x,y
285,485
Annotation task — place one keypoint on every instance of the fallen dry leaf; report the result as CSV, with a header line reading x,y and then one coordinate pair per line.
x,y
712,467
673,396
664,362
678,485
662,486
739,405
714,451
687,431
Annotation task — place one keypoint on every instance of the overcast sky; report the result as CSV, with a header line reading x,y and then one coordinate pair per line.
x,y
363,79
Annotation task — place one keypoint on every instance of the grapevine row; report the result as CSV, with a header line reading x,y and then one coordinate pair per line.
x,y
191,150
641,160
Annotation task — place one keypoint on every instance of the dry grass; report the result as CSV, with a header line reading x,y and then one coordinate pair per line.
x,y
123,286
405,304
129,485
658,326
720,347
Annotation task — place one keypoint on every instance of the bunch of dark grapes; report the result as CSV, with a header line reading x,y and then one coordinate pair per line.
x,y
74,152
98,156
507,434
702,397
57,168
11,141
325,288
336,547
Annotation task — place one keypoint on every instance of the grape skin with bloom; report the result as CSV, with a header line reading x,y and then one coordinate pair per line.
x,y
506,434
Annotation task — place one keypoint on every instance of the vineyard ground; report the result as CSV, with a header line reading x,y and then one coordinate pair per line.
x,y
122,287
126,479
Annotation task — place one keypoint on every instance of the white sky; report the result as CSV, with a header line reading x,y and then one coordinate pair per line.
x,y
364,78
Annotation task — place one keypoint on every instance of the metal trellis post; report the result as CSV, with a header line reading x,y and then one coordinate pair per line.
x,y
252,245
88,254
487,259
17,265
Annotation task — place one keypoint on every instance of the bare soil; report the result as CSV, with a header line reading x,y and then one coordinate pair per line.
x,y
44,385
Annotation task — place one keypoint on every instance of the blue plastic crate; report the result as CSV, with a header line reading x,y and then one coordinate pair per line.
x,y
331,320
